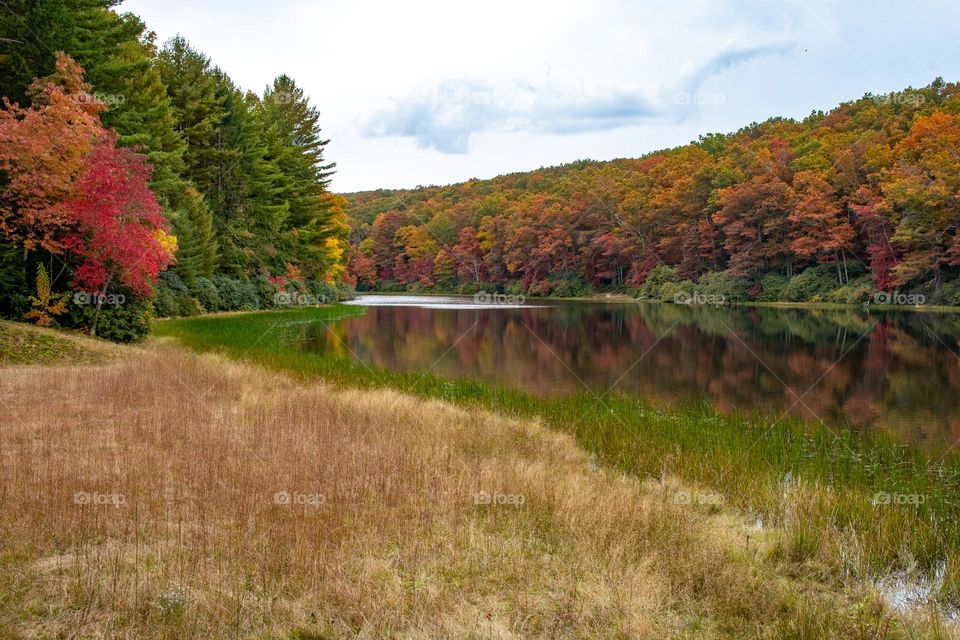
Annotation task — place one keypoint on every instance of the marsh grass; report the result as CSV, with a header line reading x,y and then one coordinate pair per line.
x,y
823,489
174,495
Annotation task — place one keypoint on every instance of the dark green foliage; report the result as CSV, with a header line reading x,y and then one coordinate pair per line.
x,y
812,285
14,300
174,283
206,294
197,247
237,295
858,291
721,285
192,88
773,287
165,304
127,321
656,279
323,292
189,306
265,291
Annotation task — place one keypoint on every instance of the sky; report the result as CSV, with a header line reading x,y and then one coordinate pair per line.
x,y
435,92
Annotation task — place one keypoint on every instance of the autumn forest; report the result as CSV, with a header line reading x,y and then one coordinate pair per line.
x,y
834,208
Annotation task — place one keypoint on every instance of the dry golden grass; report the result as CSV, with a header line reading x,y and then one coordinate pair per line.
x,y
169,495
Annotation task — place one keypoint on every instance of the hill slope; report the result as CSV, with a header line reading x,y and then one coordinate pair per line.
x,y
834,207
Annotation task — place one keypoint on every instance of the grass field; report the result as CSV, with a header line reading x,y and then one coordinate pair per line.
x,y
164,494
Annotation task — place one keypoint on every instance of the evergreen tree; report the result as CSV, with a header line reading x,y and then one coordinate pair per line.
x,y
194,228
296,145
193,89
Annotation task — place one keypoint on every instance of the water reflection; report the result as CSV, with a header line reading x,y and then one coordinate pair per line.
x,y
893,371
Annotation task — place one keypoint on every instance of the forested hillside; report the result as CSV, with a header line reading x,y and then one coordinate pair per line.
x,y
120,157
833,208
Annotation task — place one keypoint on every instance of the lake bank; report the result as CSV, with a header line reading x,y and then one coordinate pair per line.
x,y
133,509
847,506
621,298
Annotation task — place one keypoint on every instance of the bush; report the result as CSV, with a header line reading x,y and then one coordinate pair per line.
x,y
568,287
773,288
189,306
232,295
658,276
265,291
947,295
174,283
812,285
515,288
721,285
345,291
324,292
249,296
165,303
857,291
207,294
673,292
126,322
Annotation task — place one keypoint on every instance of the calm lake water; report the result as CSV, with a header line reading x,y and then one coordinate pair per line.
x,y
872,370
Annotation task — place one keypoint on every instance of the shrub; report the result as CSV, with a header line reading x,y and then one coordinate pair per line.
x,y
948,294
812,285
345,291
857,291
721,285
207,294
265,292
126,322
232,296
324,292
174,283
658,276
189,306
567,287
165,303
773,288
672,292
249,297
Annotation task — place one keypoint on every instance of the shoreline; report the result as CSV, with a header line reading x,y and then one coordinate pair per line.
x,y
622,298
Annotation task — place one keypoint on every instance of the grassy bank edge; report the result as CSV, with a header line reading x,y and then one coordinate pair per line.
x,y
820,486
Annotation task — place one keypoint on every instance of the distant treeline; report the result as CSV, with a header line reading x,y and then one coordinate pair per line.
x,y
239,177
834,208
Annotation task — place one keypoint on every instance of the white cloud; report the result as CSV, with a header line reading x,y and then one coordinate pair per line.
x,y
436,91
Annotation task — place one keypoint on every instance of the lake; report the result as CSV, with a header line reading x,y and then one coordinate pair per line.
x,y
891,371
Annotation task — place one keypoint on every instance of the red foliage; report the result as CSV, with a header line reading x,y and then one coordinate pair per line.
x,y
119,232
43,151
